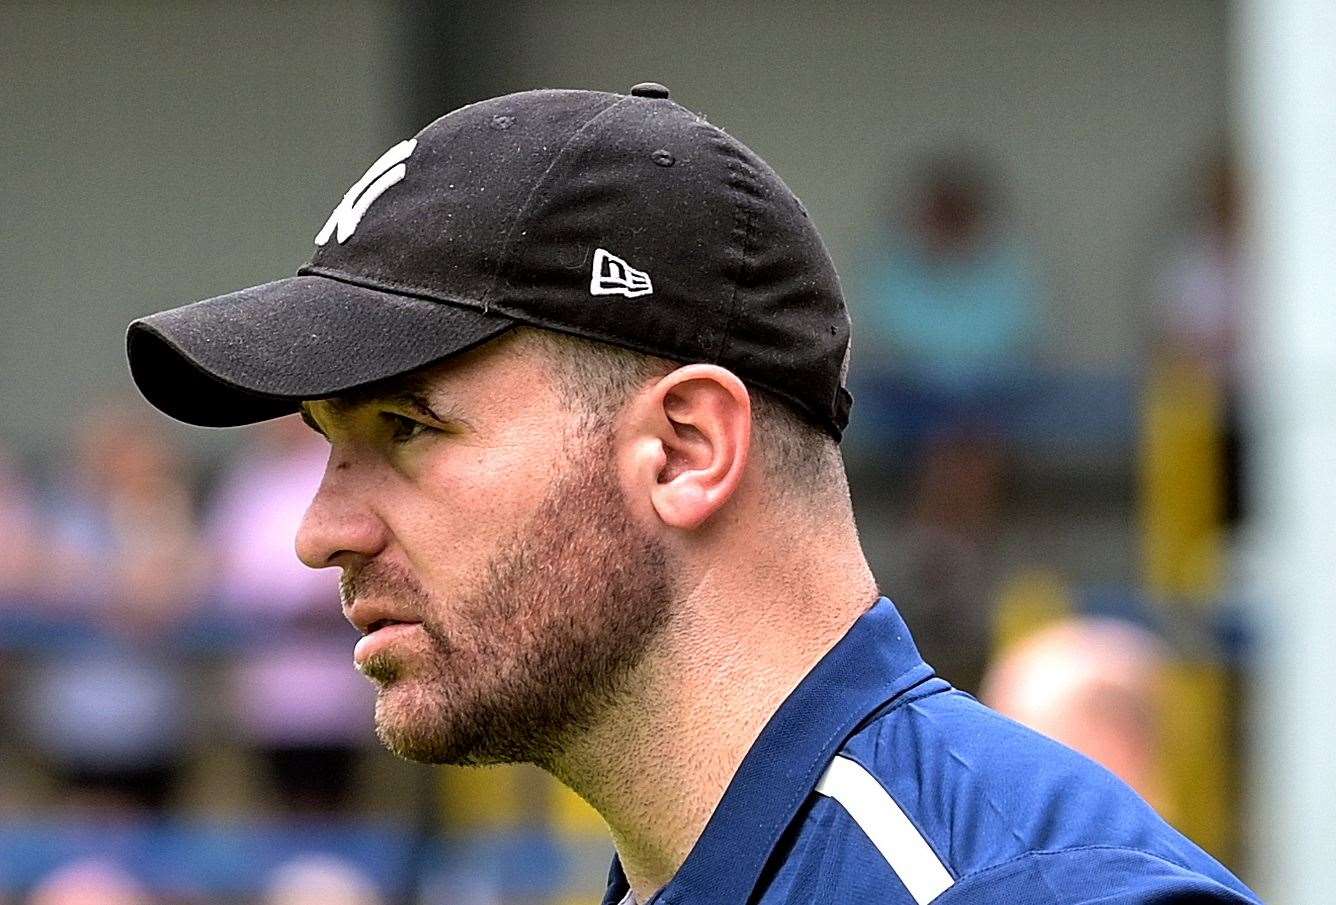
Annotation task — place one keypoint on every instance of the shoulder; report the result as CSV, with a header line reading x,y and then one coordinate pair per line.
x,y
984,788
939,798
1109,875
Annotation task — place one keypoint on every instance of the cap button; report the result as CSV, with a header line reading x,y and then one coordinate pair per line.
x,y
650,89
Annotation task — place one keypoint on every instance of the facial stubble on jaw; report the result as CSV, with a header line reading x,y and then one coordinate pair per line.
x,y
566,609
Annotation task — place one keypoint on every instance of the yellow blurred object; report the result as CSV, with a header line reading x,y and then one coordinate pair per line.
x,y
1183,545
1197,766
485,797
1182,465
1030,599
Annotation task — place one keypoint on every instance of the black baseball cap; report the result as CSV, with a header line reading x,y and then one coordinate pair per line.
x,y
625,219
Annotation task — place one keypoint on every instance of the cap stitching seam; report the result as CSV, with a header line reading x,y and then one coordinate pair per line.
x,y
739,169
503,260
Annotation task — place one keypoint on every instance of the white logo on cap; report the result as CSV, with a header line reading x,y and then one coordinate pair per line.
x,y
385,172
613,276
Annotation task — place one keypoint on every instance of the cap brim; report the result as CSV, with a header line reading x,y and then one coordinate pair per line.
x,y
256,354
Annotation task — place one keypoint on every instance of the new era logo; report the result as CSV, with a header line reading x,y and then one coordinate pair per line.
x,y
385,172
613,276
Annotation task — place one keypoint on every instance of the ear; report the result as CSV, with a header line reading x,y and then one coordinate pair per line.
x,y
693,436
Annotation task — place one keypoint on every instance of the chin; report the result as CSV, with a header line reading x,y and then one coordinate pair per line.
x,y
405,721
411,724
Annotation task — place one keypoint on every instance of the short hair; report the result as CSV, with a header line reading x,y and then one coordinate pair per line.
x,y
599,378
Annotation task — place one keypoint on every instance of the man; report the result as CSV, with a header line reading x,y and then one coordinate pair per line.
x,y
580,358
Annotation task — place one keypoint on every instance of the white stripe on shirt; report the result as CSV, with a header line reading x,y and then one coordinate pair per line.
x,y
886,825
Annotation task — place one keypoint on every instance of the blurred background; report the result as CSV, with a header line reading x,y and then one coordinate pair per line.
x,y
1087,247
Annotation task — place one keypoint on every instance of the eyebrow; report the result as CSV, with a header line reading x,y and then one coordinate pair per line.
x,y
406,392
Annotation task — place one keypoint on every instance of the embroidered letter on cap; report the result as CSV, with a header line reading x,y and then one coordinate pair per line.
x,y
385,172
613,276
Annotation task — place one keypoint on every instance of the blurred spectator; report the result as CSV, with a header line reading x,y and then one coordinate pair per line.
x,y
299,703
111,726
951,300
942,563
251,525
1202,289
1202,300
91,882
1093,684
320,880
18,526
109,714
126,546
952,313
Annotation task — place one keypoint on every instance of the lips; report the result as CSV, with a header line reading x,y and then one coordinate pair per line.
x,y
384,638
370,615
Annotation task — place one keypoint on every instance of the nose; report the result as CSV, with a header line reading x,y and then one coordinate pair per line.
x,y
339,526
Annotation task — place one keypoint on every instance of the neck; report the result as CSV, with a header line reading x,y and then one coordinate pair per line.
x,y
658,762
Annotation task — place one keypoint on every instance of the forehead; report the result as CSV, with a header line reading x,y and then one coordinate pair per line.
x,y
492,377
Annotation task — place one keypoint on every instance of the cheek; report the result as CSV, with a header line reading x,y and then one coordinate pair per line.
x,y
450,516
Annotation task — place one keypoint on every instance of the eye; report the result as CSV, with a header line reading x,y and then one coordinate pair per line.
x,y
403,428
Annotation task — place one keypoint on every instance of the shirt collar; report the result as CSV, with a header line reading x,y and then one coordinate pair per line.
x,y
875,662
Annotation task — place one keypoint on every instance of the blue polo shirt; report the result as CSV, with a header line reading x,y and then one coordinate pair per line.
x,y
877,782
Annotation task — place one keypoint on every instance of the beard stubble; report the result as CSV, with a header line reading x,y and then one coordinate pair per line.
x,y
567,607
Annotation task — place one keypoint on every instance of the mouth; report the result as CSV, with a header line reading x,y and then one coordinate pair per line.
x,y
382,636
383,623
371,615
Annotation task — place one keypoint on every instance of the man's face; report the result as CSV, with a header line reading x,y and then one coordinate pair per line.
x,y
475,509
